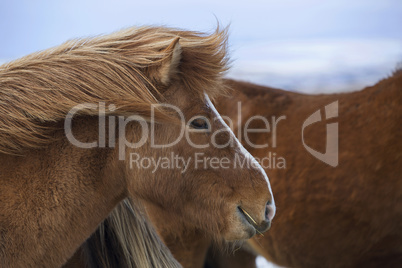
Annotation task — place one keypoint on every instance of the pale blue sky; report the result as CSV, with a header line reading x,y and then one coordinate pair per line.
x,y
256,26
27,26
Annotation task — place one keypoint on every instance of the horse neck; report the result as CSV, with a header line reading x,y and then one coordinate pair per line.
x,y
52,199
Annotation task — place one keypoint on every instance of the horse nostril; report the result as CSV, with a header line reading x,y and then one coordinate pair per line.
x,y
269,211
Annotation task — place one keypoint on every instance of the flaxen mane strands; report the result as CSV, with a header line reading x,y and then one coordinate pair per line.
x,y
42,87
126,239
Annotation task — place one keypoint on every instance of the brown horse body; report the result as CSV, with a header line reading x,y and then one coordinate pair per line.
x,y
57,181
344,216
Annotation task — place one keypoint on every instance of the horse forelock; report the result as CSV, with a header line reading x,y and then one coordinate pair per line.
x,y
44,86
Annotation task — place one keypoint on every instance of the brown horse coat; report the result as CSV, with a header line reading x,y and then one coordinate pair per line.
x,y
343,216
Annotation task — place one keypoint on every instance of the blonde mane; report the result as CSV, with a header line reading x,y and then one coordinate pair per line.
x,y
127,239
116,69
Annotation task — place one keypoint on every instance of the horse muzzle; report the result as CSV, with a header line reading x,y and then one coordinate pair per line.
x,y
265,224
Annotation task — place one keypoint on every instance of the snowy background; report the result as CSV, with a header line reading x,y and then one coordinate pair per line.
x,y
302,45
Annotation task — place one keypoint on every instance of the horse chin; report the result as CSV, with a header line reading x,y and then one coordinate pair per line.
x,y
240,228
242,232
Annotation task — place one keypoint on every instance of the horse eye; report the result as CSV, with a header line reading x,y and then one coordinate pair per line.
x,y
199,123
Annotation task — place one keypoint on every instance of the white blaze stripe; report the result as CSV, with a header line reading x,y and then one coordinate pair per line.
x,y
243,150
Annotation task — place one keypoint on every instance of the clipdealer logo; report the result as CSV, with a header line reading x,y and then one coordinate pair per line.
x,y
331,156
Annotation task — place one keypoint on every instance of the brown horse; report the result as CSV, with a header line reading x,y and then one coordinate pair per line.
x,y
61,162
343,216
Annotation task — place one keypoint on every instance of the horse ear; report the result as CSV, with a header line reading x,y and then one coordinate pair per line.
x,y
170,65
